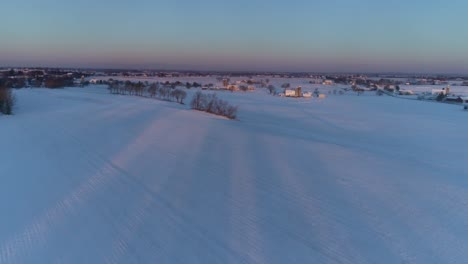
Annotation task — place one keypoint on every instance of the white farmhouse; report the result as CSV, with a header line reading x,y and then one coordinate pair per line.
x,y
406,92
443,91
290,92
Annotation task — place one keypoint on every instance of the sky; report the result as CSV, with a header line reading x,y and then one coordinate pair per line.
x,y
258,35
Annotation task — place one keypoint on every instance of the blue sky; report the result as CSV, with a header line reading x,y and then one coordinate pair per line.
x,y
333,35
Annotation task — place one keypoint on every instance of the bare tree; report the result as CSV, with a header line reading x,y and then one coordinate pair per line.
x,y
7,100
197,101
164,92
271,89
179,95
139,88
114,87
153,89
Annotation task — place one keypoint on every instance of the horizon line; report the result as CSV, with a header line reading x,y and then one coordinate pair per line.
x,y
236,71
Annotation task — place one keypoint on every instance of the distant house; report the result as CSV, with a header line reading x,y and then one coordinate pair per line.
x,y
307,94
443,91
328,82
293,93
290,93
251,88
316,81
406,92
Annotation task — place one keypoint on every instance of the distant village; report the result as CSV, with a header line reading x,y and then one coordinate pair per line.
x,y
390,84
34,76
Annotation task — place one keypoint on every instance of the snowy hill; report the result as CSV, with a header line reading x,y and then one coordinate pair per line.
x,y
89,177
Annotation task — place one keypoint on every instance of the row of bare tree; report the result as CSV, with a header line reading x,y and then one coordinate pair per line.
x,y
203,102
154,90
212,104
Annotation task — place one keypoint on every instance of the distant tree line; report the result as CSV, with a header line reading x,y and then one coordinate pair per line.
x,y
166,91
55,82
48,78
155,90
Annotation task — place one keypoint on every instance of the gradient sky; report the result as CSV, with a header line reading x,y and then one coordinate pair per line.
x,y
295,35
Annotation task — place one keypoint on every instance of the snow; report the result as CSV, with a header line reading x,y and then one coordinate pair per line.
x,y
89,177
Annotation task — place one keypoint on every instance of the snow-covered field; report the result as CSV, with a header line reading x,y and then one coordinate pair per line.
x,y
88,177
